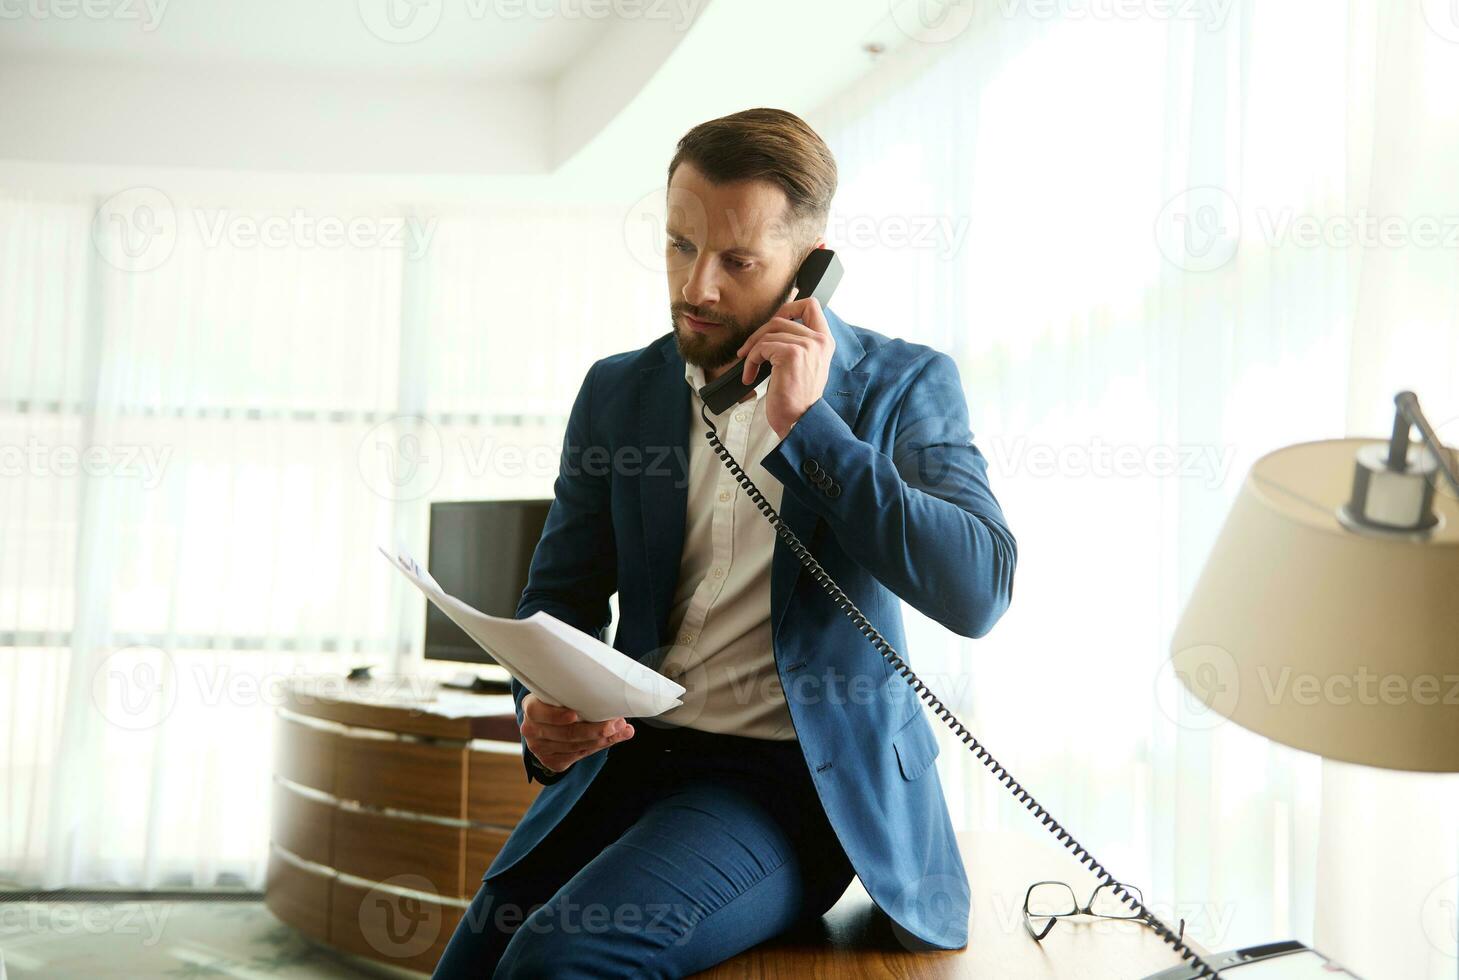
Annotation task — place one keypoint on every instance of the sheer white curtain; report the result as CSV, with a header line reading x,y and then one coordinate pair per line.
x,y
1150,234
206,429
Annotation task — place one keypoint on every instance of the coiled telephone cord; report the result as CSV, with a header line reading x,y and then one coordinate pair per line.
x,y
843,601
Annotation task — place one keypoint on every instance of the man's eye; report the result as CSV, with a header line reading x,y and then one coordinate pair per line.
x,y
679,245
738,263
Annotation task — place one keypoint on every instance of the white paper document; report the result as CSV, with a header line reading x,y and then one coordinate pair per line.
x,y
561,665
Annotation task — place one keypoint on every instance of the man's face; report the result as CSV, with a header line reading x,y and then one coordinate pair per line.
x,y
731,261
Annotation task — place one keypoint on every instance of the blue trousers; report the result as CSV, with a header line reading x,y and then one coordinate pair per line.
x,y
688,847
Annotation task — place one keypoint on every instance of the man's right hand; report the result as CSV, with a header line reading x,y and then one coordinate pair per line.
x,y
558,739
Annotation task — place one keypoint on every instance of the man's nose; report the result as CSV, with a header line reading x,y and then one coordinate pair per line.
x,y
701,288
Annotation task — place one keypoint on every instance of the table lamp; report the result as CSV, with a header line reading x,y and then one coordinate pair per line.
x,y
1327,614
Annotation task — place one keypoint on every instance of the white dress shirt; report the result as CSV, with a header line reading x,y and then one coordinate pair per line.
x,y
720,620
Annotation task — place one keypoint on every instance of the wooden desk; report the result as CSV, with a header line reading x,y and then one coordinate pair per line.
x,y
386,812
856,940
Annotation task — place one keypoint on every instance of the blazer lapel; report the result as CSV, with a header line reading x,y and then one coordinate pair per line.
x,y
663,431
844,392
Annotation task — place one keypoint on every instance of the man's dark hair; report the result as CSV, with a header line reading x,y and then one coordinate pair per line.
x,y
766,144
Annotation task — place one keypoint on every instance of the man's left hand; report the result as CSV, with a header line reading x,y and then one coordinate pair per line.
x,y
800,356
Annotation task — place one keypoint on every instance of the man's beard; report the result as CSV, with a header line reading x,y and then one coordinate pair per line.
x,y
716,349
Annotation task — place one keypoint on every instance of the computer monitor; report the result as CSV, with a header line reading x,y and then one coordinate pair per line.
x,y
480,552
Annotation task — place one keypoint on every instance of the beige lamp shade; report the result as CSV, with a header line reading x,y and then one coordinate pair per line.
x,y
1340,642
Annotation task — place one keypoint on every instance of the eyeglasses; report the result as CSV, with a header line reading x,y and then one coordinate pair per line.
x,y
1046,902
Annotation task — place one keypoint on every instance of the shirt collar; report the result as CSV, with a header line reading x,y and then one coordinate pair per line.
x,y
694,374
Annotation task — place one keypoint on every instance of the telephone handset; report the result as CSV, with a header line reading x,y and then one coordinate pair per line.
x,y
818,276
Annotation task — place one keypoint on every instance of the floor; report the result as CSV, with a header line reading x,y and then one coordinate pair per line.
x,y
180,939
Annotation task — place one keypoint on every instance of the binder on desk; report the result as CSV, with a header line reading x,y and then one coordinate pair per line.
x,y
561,665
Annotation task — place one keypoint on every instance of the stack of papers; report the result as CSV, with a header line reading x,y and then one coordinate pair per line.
x,y
559,664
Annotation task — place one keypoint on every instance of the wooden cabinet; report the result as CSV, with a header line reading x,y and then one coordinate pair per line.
x,y
387,813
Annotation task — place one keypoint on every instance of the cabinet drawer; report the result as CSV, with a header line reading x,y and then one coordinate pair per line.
x,y
298,896
497,791
419,777
380,847
305,754
301,825
406,931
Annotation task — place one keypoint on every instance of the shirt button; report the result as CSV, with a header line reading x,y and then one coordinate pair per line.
x,y
741,417
686,638
719,573
724,495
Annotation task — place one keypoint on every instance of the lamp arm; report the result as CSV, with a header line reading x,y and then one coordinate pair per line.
x,y
1409,413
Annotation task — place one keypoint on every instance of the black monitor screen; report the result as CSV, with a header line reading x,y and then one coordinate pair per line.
x,y
480,552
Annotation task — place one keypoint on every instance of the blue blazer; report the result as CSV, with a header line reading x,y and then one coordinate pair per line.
x,y
903,512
